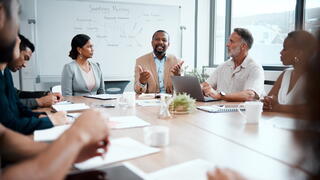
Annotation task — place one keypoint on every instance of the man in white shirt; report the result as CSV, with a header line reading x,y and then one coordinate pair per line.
x,y
240,78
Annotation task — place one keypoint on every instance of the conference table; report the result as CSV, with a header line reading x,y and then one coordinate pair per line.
x,y
258,151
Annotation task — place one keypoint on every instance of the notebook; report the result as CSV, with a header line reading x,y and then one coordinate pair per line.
x,y
221,108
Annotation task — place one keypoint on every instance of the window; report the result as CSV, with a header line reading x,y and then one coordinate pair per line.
x,y
312,15
219,36
269,22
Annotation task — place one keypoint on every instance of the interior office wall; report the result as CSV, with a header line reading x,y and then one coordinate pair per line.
x,y
29,74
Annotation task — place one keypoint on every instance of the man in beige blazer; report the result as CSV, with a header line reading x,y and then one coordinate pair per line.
x,y
153,71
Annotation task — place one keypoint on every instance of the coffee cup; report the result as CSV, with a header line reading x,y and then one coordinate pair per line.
x,y
156,136
253,110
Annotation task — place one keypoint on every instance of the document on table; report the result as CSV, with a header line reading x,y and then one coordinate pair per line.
x,y
195,169
120,150
70,107
288,123
148,102
103,96
121,122
51,134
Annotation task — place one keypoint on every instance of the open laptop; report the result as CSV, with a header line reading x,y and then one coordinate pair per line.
x,y
191,86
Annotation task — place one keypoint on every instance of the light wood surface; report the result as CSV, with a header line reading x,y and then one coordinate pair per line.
x,y
257,151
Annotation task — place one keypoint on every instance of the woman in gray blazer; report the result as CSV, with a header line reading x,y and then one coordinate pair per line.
x,y
81,77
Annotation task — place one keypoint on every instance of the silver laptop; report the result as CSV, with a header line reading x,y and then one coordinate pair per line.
x,y
191,86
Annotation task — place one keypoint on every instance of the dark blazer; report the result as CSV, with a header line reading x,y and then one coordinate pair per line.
x,y
14,115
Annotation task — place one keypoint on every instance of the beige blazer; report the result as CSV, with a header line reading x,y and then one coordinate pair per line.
x,y
152,86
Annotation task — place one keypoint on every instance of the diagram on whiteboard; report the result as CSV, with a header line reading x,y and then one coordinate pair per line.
x,y
120,32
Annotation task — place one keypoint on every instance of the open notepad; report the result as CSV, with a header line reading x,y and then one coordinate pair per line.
x,y
220,108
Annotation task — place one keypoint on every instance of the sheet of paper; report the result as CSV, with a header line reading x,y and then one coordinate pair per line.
x,y
148,102
147,95
121,122
51,134
195,169
288,123
104,96
120,150
70,107
64,102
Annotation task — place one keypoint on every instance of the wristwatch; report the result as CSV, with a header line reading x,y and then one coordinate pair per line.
x,y
222,93
142,85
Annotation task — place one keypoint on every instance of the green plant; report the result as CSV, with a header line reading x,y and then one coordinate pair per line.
x,y
202,77
183,102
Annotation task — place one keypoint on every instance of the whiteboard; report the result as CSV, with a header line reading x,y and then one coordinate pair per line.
x,y
120,32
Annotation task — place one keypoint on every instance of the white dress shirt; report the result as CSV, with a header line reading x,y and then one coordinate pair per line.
x,y
247,76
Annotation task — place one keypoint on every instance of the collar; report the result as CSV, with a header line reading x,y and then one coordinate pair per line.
x,y
244,64
155,57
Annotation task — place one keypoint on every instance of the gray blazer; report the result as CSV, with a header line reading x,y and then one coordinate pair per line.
x,y
73,83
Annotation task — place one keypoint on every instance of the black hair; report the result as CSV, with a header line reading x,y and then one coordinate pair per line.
x,y
25,43
160,31
245,35
304,41
78,41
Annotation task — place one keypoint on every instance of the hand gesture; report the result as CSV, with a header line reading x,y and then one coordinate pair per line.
x,y
59,96
177,68
58,118
94,131
144,75
270,103
47,100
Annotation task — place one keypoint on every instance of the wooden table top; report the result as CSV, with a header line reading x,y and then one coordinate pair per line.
x,y
257,151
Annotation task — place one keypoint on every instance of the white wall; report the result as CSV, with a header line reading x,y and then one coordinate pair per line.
x,y
187,19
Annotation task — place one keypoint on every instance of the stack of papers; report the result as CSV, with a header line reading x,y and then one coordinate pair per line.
x,y
70,107
120,149
195,169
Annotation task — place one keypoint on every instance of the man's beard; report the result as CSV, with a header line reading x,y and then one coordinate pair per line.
x,y
159,53
234,52
6,52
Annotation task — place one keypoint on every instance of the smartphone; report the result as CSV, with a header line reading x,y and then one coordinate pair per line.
x,y
107,105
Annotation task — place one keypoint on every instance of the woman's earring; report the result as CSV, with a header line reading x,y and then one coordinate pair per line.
x,y
296,60
80,56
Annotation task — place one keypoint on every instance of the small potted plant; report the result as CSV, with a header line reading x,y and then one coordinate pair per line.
x,y
182,103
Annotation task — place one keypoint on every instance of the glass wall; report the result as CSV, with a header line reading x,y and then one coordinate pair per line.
x,y
312,15
269,22
219,36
